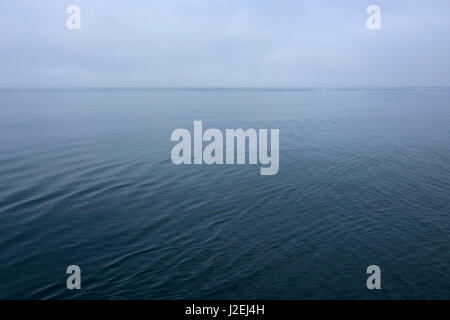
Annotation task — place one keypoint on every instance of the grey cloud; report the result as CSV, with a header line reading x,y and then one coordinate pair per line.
x,y
224,43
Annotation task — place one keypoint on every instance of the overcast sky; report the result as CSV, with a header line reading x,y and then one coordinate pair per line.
x,y
294,43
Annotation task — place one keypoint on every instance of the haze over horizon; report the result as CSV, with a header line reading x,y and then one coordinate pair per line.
x,y
197,43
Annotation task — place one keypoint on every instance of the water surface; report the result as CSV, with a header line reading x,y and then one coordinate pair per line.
x,y
86,179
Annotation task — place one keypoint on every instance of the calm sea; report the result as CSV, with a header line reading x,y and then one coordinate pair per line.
x,y
86,178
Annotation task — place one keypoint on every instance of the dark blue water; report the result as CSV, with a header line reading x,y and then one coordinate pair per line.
x,y
86,179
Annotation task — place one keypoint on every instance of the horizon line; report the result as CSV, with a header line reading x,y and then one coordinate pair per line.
x,y
280,88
